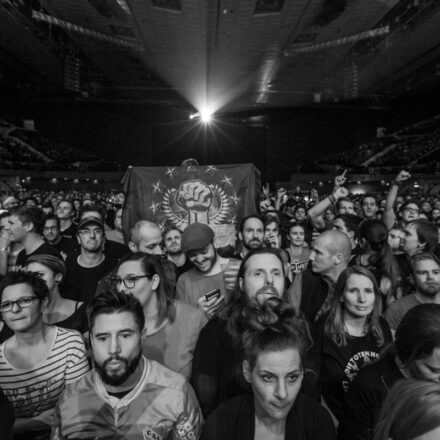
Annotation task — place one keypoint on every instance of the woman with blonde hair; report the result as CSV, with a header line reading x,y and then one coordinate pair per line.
x,y
351,336
411,411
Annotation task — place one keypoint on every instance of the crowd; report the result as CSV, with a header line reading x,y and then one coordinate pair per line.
x,y
322,323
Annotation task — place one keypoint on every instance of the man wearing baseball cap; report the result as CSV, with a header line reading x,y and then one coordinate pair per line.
x,y
207,274
86,269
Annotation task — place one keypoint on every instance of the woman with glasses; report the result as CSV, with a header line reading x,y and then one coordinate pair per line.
x,y
38,360
59,311
171,326
274,345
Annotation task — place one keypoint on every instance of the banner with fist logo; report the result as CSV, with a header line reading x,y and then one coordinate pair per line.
x,y
219,196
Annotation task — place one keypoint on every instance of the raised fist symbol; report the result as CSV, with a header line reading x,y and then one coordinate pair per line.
x,y
196,197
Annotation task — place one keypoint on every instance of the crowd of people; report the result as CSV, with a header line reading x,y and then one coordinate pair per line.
x,y
322,323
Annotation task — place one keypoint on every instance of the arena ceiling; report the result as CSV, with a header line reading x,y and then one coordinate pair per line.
x,y
220,55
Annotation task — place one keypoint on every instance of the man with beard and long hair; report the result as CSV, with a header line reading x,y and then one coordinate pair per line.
x,y
126,396
426,277
217,360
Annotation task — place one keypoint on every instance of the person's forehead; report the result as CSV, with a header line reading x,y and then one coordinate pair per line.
x,y
280,362
114,322
263,261
253,223
14,218
172,234
16,291
427,264
296,229
132,267
369,200
411,206
50,222
150,235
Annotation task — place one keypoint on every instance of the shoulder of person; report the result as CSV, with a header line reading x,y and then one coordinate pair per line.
x,y
163,376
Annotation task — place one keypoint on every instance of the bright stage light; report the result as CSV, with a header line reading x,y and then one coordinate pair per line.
x,y
205,116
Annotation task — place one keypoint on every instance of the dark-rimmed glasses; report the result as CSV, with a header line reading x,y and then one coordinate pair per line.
x,y
25,301
129,282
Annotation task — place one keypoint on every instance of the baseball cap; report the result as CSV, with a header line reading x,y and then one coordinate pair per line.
x,y
196,236
90,219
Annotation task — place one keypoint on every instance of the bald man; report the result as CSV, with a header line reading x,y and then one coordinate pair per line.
x,y
146,236
312,290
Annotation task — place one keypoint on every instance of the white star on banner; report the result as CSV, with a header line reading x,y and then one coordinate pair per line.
x,y
154,207
235,199
210,169
227,180
157,187
171,172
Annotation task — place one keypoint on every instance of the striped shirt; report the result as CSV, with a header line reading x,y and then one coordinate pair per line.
x,y
34,390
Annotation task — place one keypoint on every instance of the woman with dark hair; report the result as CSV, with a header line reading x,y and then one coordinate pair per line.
x,y
351,336
411,411
39,360
171,326
379,258
274,345
298,251
59,311
414,354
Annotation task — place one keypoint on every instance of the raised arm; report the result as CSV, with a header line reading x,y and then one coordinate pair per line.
x,y
389,216
315,212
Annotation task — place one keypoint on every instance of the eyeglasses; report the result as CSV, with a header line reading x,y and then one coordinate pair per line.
x,y
25,301
129,282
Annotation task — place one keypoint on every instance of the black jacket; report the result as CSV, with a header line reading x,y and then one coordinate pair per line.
x,y
235,420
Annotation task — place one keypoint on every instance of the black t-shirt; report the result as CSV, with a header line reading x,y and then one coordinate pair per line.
x,y
69,232
338,366
185,267
43,249
120,394
67,247
7,417
81,282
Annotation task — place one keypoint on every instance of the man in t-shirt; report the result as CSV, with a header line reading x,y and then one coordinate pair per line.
x,y
52,234
251,235
65,211
207,274
312,289
172,241
86,269
426,276
25,226
126,396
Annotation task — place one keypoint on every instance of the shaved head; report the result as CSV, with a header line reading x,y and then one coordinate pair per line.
x,y
146,237
336,241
